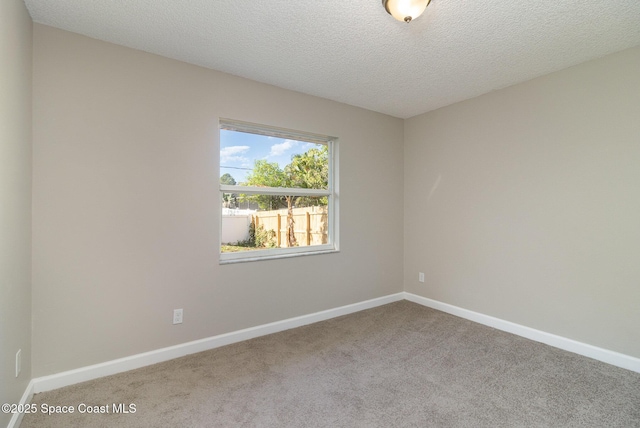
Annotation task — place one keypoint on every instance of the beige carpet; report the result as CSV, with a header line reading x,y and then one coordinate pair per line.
x,y
399,365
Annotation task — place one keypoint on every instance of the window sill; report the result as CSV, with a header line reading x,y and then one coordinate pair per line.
x,y
285,255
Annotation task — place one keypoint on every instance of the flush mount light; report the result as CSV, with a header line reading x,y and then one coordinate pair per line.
x,y
405,10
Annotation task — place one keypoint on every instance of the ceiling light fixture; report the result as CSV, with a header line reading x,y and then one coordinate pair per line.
x,y
405,10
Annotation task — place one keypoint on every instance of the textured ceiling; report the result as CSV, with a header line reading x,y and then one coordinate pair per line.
x,y
353,52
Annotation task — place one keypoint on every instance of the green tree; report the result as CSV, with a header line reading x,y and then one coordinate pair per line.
x,y
226,178
309,170
230,199
266,174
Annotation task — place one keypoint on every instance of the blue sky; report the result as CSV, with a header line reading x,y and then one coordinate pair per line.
x,y
239,150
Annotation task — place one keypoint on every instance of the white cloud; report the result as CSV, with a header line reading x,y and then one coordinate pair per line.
x,y
282,148
234,154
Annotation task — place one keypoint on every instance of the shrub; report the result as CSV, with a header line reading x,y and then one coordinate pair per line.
x,y
264,238
259,238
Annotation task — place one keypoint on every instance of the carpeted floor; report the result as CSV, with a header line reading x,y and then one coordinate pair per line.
x,y
398,365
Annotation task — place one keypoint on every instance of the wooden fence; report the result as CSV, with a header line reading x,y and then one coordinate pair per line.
x,y
310,225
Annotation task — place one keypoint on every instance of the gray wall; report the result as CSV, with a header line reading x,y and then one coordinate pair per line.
x,y
125,224
524,203
15,199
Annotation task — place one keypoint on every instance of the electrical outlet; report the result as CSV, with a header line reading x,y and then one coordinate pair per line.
x,y
18,362
421,276
177,316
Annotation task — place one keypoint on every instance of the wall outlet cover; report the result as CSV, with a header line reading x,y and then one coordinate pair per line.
x,y
18,362
177,316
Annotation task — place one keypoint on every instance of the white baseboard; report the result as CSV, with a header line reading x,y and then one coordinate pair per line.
x,y
610,357
59,380
16,418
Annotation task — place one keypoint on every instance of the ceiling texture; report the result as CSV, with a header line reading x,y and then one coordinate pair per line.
x,y
353,51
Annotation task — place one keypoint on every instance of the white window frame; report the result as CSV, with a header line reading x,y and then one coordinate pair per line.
x,y
331,193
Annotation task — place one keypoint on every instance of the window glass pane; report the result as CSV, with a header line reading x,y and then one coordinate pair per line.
x,y
284,222
277,192
248,159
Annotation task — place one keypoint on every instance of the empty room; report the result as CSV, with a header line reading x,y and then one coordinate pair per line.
x,y
335,214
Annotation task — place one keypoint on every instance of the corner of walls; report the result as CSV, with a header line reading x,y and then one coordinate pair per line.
x,y
15,199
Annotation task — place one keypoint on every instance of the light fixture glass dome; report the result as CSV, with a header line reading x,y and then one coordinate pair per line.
x,y
405,10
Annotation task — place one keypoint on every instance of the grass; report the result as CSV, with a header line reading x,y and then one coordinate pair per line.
x,y
235,248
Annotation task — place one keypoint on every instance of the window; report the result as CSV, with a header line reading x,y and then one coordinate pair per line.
x,y
278,193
